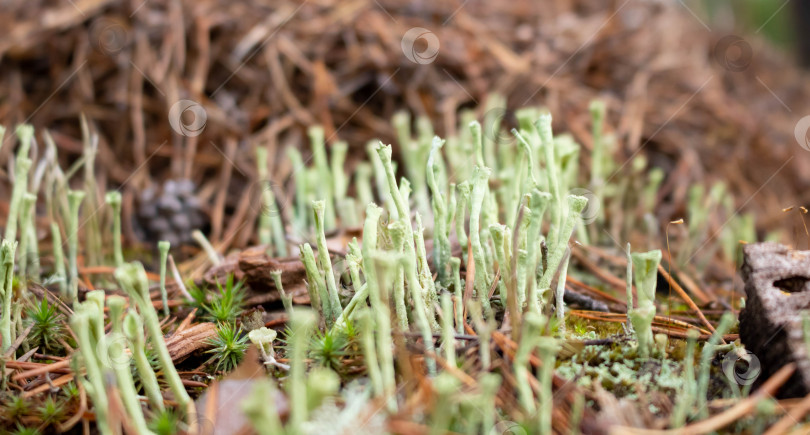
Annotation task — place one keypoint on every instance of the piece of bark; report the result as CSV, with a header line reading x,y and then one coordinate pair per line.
x,y
777,286
191,339
253,266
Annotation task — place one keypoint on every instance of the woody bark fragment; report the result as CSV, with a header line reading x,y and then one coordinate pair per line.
x,y
777,286
254,266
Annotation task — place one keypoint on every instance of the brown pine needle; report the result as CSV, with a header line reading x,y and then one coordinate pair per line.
x,y
796,414
686,298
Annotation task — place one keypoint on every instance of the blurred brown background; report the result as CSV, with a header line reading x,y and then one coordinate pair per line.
x,y
681,88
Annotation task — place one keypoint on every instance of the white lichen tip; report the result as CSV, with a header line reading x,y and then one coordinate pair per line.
x,y
544,122
597,107
315,131
25,132
646,261
262,336
75,196
481,173
383,150
577,203
319,205
645,265
7,249
96,297
541,197
113,198
133,326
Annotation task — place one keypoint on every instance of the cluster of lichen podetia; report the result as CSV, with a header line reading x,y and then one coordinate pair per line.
x,y
391,278
394,258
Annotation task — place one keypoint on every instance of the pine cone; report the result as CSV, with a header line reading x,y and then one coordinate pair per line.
x,y
170,214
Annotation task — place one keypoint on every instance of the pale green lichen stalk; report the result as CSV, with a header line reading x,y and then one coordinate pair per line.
x,y
133,281
75,198
543,126
25,133
7,250
575,206
271,228
210,251
688,395
538,202
645,267
319,299
113,199
441,243
533,323
93,381
378,304
325,262
479,181
598,109
448,333
120,360
28,245
286,298
316,137
547,348
706,356
302,323
260,408
58,258
133,329
163,247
